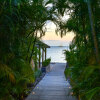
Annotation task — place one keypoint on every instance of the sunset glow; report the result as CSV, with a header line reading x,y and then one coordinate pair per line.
x,y
51,35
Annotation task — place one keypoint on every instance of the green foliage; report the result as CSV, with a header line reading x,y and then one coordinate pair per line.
x,y
22,24
92,92
46,62
83,71
15,78
38,73
85,81
20,21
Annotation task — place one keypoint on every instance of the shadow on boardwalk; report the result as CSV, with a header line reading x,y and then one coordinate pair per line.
x,y
53,86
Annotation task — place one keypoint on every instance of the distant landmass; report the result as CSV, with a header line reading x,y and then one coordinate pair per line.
x,y
56,43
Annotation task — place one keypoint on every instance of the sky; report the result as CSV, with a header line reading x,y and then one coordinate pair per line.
x,y
51,37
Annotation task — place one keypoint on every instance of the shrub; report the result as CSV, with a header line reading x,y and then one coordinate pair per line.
x,y
38,73
46,62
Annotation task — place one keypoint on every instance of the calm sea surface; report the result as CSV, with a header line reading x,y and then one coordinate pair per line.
x,y
56,53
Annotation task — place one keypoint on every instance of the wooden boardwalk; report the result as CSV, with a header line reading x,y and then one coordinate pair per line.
x,y
53,86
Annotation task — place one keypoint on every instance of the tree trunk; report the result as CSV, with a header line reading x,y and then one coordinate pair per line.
x,y
29,46
33,48
93,31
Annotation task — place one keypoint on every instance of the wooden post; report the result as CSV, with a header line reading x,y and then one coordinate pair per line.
x,y
42,55
45,53
36,61
39,57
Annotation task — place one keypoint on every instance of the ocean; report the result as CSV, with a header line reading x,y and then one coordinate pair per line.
x,y
56,53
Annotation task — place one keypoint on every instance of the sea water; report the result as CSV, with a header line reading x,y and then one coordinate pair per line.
x,y
56,53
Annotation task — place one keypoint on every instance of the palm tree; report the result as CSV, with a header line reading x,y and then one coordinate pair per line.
x,y
93,30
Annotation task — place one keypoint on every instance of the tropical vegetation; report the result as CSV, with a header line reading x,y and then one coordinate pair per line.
x,y
83,57
46,62
22,24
